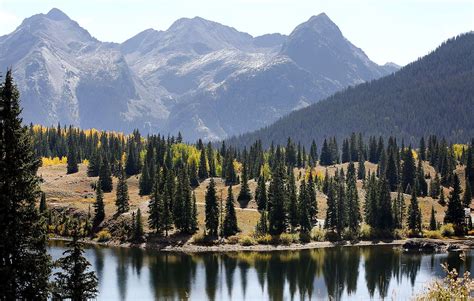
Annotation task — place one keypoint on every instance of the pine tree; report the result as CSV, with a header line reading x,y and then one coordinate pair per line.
x,y
155,206
202,172
105,175
230,219
435,187
132,163
354,217
24,263
422,151
304,218
146,181
261,193
399,209
312,201
230,175
391,171
210,159
467,197
433,224
361,167
420,175
326,158
384,212
455,210
43,207
212,210
469,169
331,211
72,166
442,200
371,204
292,200
98,207
194,216
262,225
244,194
408,170
276,199
193,177
341,204
138,228
414,214
74,281
167,201
122,200
94,164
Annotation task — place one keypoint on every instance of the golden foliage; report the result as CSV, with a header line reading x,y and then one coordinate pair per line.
x,y
48,161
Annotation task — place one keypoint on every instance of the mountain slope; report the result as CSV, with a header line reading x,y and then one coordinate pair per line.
x,y
434,95
199,77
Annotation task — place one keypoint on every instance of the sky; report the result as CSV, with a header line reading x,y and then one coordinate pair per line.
x,y
397,31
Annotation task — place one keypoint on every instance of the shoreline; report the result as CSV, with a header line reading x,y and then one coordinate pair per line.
x,y
224,248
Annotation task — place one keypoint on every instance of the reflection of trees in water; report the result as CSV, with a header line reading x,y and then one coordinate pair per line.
x,y
171,275
122,271
230,264
211,264
410,266
136,256
99,262
244,268
454,260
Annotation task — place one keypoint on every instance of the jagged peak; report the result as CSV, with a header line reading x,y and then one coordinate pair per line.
x,y
57,15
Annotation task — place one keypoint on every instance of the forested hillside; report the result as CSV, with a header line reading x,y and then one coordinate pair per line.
x,y
434,95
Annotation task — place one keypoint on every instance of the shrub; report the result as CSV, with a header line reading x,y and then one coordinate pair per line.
x,y
247,240
365,232
432,234
332,236
349,235
203,239
266,239
103,236
470,232
233,240
414,233
447,230
286,239
304,237
318,234
400,234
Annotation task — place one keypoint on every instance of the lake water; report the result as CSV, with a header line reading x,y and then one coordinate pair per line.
x,y
348,273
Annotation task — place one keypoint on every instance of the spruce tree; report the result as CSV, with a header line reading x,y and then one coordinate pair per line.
x,y
420,176
469,169
408,170
341,204
42,206
98,207
202,172
74,281
292,200
304,218
244,194
414,214
442,200
384,212
261,193
146,181
122,197
399,209
312,201
353,217
24,263
212,210
361,167
262,225
467,197
210,159
193,177
371,204
138,227
94,164
435,187
331,211
391,171
72,166
276,199
167,201
194,216
326,158
455,210
155,207
433,224
230,219
105,175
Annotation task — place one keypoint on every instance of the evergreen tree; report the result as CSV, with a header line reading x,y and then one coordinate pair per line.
x,y
455,210
361,167
262,225
122,197
276,198
244,194
312,201
435,187
371,204
414,214
292,200
326,158
155,206
304,218
467,197
193,177
94,164
24,263
354,217
230,219
138,227
74,281
469,169
391,171
212,210
105,175
341,205
72,166
331,211
132,163
420,176
210,159
99,209
384,214
167,201
399,209
442,200
146,181
261,193
422,151
202,172
433,224
230,175
42,206
194,216
408,169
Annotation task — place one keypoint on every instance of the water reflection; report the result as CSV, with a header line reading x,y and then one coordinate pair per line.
x,y
337,273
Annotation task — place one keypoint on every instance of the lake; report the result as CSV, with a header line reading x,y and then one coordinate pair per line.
x,y
348,273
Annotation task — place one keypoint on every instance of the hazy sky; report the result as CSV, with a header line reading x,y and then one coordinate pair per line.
x,y
397,30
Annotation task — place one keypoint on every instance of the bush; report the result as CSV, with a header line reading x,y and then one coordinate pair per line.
x,y
432,234
203,239
447,230
400,234
470,232
414,234
349,235
103,236
365,232
233,240
332,236
287,239
247,240
266,239
318,234
304,237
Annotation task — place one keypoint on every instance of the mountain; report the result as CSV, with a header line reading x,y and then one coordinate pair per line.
x,y
434,95
199,77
